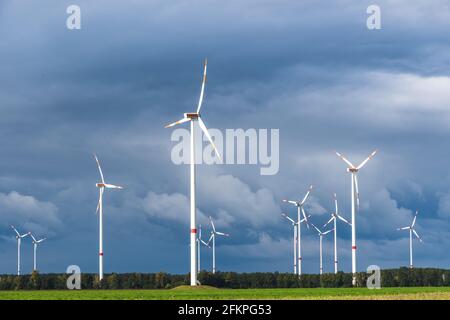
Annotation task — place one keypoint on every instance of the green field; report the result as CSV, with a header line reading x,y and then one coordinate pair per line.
x,y
217,294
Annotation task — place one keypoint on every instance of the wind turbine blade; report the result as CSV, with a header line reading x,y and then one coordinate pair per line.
x,y
303,220
324,233
367,159
205,131
414,220
206,244
210,238
200,100
345,160
417,235
336,204
404,228
329,221
291,202
284,215
306,196
32,237
305,217
112,186
178,122
99,168
320,232
356,189
222,234
212,224
15,230
343,219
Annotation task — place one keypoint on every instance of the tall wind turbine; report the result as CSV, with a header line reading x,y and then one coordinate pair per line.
x,y
411,231
334,216
294,225
35,243
19,241
355,203
101,186
214,232
199,245
300,211
321,234
195,117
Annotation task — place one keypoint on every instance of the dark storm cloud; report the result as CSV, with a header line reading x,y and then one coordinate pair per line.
x,y
312,70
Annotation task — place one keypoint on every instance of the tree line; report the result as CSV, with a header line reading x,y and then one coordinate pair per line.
x,y
403,277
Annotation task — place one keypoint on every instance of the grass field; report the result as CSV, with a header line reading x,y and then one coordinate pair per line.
x,y
233,294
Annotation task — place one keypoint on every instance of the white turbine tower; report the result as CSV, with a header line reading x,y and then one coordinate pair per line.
x,y
355,203
199,245
19,241
101,186
411,231
300,211
334,216
35,243
321,234
214,232
195,117
295,226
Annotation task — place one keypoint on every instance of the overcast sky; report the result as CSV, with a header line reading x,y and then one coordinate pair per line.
x,y
313,71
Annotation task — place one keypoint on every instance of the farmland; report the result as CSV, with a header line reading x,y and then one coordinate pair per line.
x,y
233,294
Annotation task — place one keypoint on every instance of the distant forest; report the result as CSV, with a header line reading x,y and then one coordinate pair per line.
x,y
403,277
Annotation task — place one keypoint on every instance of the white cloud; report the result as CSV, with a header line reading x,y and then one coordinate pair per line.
x,y
234,197
266,247
29,214
381,215
172,207
388,100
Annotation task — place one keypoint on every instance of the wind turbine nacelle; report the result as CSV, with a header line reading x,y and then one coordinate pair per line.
x,y
353,170
192,115
100,185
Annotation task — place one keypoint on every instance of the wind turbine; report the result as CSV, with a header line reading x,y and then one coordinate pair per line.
x,y
195,117
355,203
199,244
334,216
321,234
295,226
101,186
300,211
35,243
411,231
19,241
214,232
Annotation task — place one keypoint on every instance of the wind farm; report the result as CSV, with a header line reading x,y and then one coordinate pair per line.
x,y
197,242
198,272
253,150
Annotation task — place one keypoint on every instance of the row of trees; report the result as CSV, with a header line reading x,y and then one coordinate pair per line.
x,y
402,277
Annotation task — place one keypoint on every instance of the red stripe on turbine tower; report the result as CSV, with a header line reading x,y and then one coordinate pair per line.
x,y
100,254
353,247
193,230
